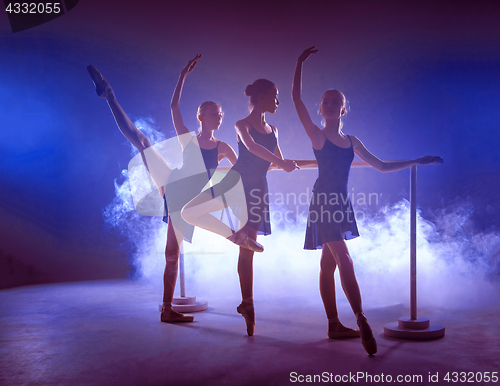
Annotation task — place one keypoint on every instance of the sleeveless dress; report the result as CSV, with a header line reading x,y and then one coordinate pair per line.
x,y
184,190
252,171
330,214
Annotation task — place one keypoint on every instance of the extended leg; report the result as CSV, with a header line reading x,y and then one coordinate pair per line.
x,y
128,129
154,163
159,170
197,212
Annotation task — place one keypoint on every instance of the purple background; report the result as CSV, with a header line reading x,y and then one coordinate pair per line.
x,y
420,78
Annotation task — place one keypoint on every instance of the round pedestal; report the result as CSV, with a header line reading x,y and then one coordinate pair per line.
x,y
188,304
418,329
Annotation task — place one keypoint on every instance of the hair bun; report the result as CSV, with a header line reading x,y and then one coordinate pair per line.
x,y
260,86
249,90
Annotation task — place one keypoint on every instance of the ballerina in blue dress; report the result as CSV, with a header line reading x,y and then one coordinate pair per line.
x,y
201,156
331,218
258,152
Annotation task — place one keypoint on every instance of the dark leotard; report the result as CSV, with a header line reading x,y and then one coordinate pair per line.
x,y
251,170
180,192
330,212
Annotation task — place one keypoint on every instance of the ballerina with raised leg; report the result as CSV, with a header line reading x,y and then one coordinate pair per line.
x,y
330,222
258,151
212,152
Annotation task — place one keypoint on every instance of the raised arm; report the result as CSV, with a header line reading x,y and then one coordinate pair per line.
x,y
242,129
312,130
390,166
179,126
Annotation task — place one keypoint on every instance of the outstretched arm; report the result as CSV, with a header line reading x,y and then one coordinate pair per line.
x,y
313,164
288,164
306,164
278,154
312,130
390,166
179,126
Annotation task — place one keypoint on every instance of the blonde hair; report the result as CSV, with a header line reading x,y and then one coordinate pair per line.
x,y
203,107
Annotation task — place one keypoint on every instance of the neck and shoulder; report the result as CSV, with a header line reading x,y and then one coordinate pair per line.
x,y
257,118
206,138
333,133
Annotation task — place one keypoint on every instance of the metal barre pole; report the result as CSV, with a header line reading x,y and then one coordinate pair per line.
x,y
413,327
186,303
181,272
413,243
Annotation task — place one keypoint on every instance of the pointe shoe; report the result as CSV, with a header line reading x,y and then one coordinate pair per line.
x,y
367,338
248,312
339,331
102,87
242,239
171,316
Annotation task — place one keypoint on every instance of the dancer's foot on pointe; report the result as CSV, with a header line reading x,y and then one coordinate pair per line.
x,y
248,312
102,87
337,330
168,315
242,239
369,342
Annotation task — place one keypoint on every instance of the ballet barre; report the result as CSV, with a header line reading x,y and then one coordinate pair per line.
x,y
413,327
407,327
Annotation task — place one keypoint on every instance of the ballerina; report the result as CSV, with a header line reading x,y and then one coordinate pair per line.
x,y
204,146
331,221
258,152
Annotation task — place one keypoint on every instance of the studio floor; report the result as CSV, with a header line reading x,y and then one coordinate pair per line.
x,y
109,333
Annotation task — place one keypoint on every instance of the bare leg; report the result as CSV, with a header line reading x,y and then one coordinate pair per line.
x,y
126,126
128,129
350,286
159,170
154,163
171,266
245,273
169,278
245,267
327,283
197,212
339,251
327,290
